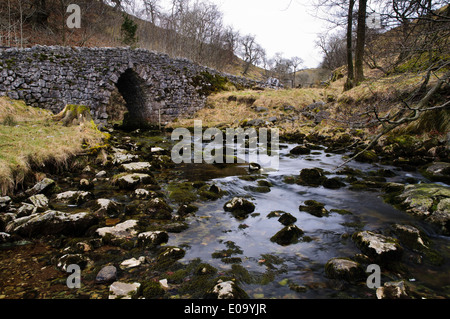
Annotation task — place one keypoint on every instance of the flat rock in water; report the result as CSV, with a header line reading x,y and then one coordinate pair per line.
x,y
122,230
137,167
122,157
121,290
134,180
74,197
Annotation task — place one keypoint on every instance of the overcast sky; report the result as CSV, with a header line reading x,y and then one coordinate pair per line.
x,y
280,26
285,26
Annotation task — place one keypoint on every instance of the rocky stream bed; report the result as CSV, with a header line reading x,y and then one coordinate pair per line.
x,y
140,226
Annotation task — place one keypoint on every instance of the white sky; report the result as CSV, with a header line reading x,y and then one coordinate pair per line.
x,y
279,26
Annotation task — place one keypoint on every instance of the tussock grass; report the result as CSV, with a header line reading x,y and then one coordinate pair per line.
x,y
36,140
234,108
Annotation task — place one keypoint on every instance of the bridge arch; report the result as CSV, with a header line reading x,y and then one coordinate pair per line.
x,y
133,90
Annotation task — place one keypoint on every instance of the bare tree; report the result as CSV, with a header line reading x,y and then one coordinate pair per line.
x,y
251,52
334,50
295,63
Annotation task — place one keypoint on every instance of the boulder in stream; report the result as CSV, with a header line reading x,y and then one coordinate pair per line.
x,y
287,236
239,207
52,223
314,208
382,249
345,269
226,290
311,177
430,202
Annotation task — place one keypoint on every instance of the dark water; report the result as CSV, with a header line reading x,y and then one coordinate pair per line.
x,y
300,264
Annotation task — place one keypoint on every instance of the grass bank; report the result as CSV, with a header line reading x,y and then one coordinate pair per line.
x,y
30,138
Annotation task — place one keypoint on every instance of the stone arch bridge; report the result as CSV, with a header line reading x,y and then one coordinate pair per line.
x,y
152,84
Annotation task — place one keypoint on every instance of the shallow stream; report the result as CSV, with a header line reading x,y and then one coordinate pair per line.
x,y
297,270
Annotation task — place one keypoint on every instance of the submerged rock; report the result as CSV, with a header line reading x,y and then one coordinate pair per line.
x,y
106,275
392,290
287,236
73,259
300,150
287,219
226,290
345,269
314,208
333,183
239,207
121,290
379,247
410,236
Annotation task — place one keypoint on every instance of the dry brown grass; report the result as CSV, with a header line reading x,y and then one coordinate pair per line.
x,y
31,138
234,108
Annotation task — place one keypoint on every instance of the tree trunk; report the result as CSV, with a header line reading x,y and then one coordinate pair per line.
x,y
350,72
360,42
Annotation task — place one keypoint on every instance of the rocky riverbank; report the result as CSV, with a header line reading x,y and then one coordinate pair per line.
x,y
114,213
